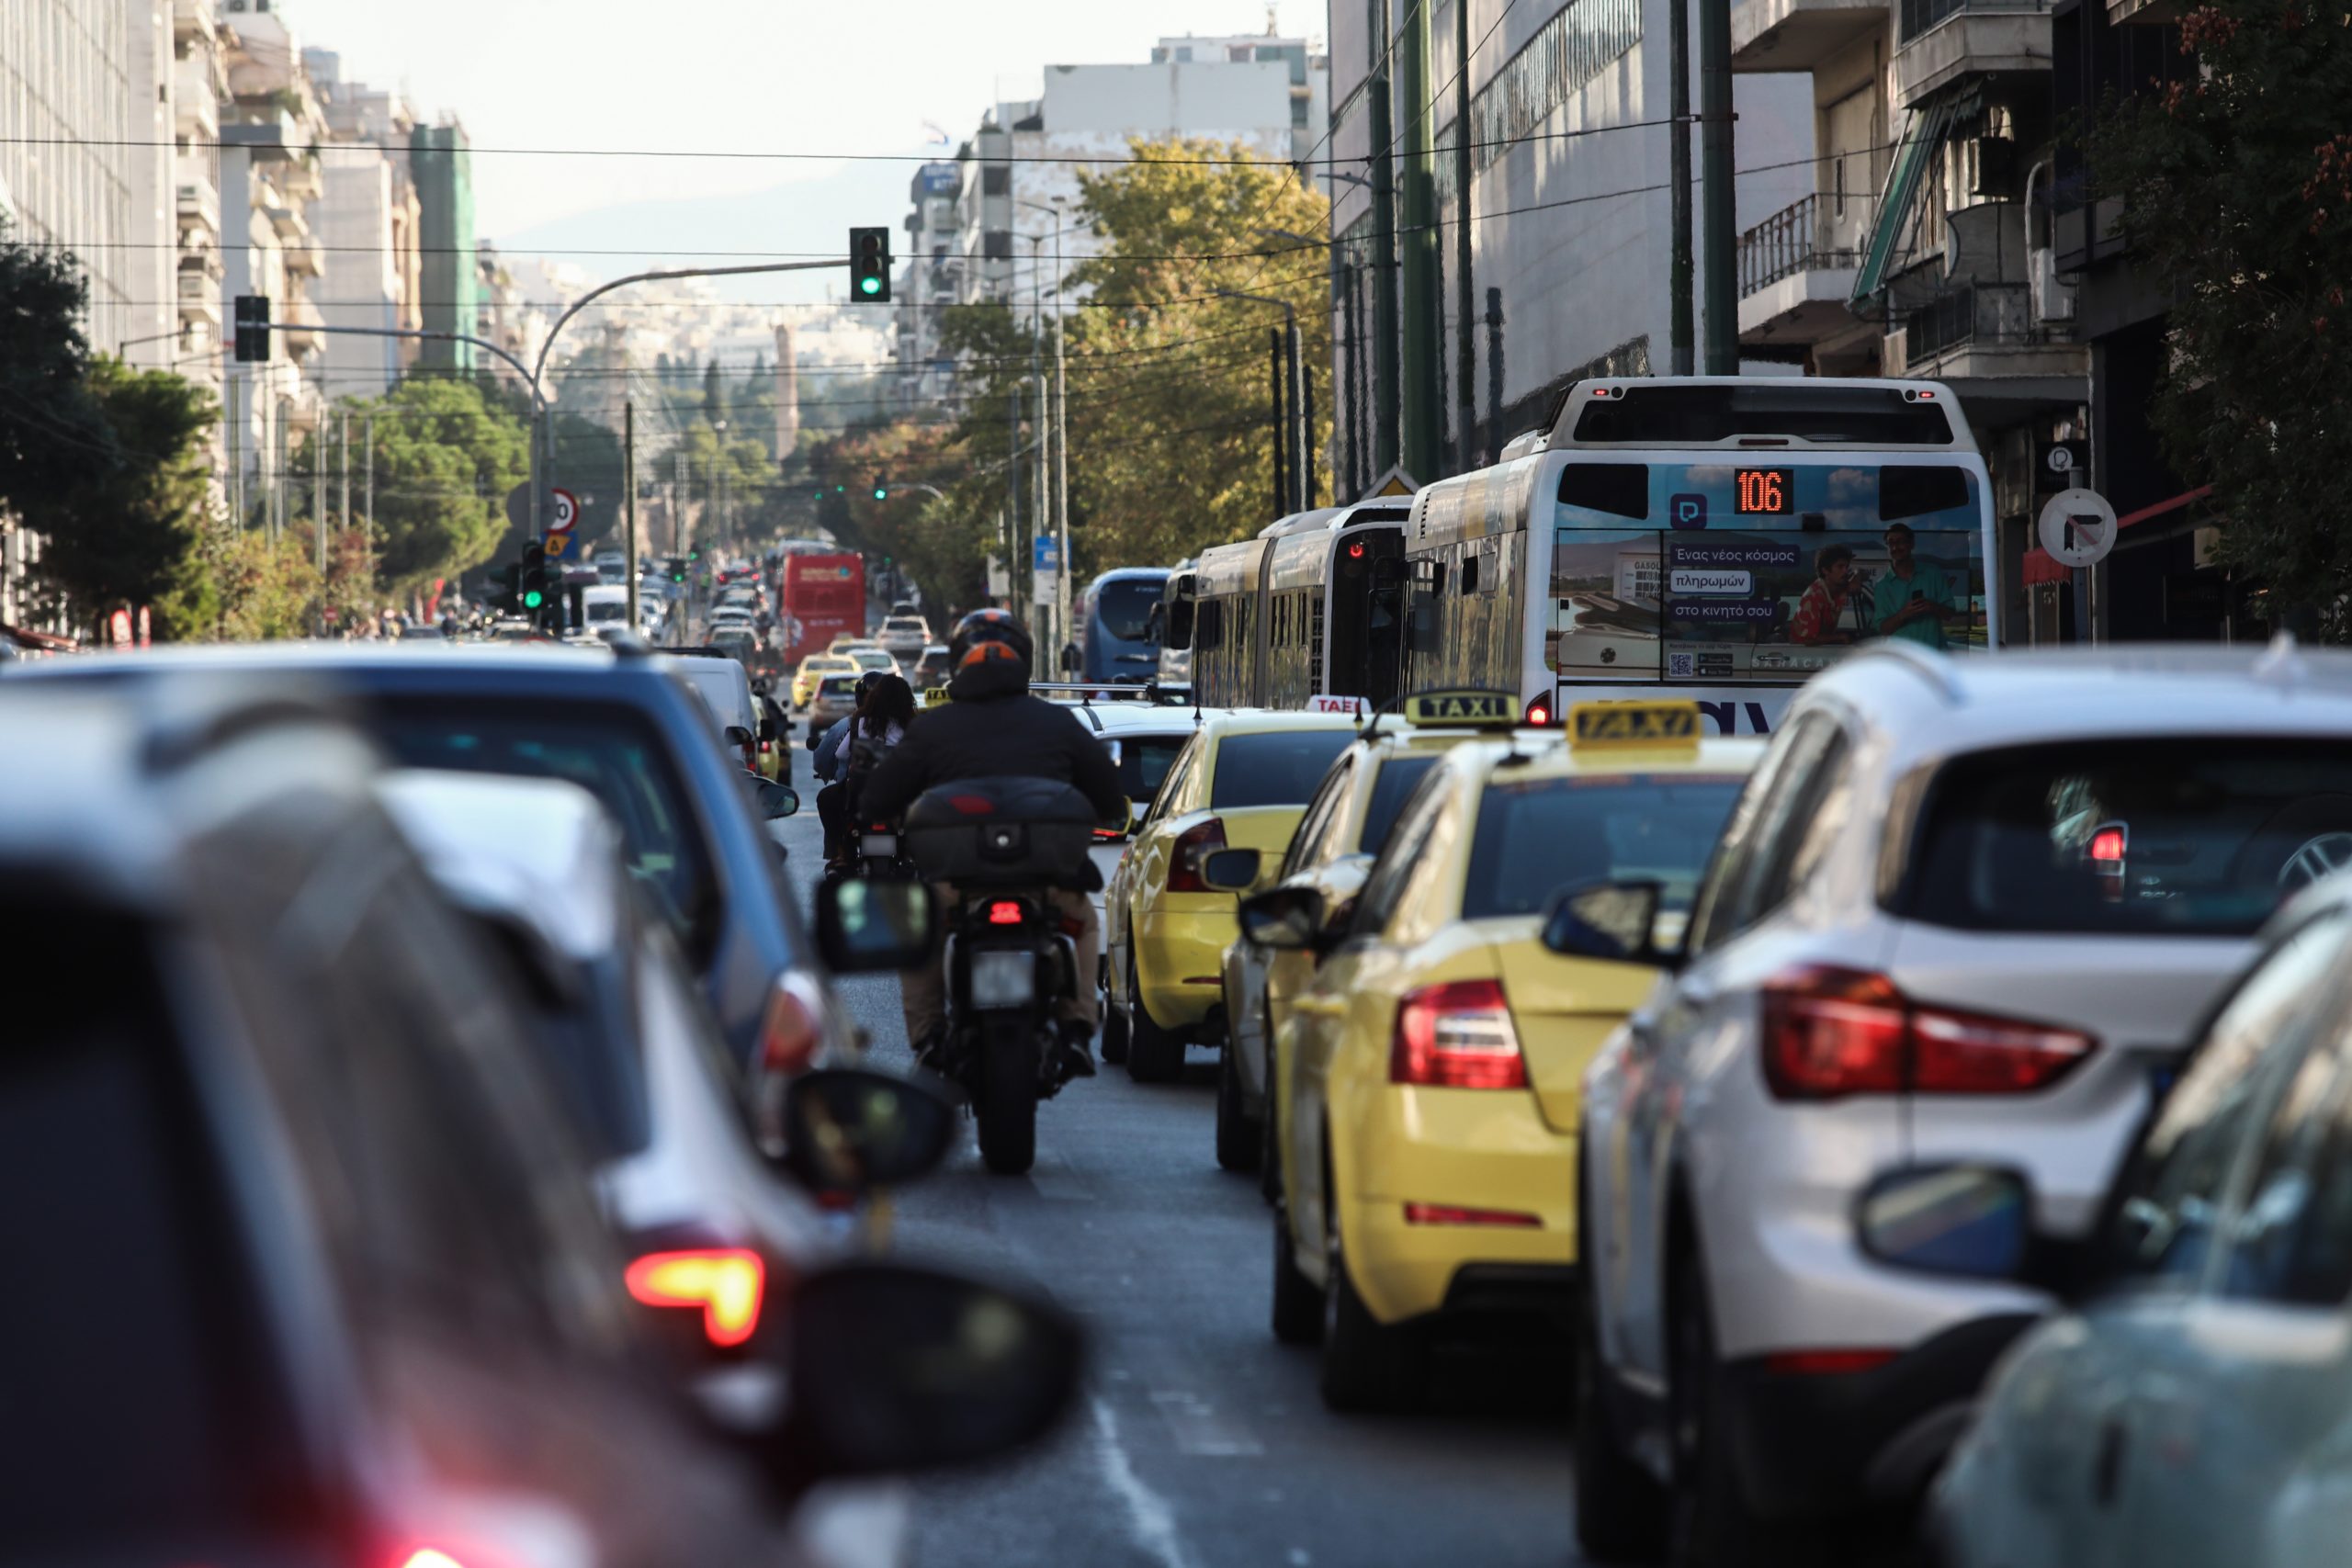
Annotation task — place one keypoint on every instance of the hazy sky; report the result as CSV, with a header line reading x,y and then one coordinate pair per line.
x,y
820,76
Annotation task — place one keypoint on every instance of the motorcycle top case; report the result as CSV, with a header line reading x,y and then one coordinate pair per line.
x,y
1009,831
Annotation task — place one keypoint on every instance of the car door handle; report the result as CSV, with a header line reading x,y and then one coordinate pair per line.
x,y
2106,1474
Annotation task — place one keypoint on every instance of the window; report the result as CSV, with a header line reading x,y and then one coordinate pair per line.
x,y
1281,768
1172,787
2290,1237
1208,625
1395,785
996,180
1756,865
1308,846
1537,836
2187,836
1145,761
1385,886
996,245
2173,1186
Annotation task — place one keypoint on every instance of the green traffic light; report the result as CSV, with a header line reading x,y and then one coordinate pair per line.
x,y
533,599
880,494
869,285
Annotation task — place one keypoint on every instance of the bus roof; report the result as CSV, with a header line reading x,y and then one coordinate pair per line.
x,y
1751,412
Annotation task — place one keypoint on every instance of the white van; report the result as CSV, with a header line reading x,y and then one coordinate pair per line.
x,y
605,606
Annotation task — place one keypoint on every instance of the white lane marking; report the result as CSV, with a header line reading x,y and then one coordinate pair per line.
x,y
1149,1518
1197,1428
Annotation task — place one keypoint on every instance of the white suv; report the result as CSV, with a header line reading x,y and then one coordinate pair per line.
x,y
905,636
1966,910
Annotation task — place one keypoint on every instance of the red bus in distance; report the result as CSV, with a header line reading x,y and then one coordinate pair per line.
x,y
819,599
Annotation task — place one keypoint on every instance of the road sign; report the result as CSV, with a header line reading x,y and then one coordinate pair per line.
x,y
564,510
2077,527
559,546
2062,463
1396,482
1046,553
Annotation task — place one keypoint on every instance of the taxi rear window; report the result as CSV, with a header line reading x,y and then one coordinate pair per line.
x,y
1389,793
1277,768
1537,836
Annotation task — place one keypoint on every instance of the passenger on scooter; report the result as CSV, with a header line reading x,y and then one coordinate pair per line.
x,y
833,802
877,726
991,727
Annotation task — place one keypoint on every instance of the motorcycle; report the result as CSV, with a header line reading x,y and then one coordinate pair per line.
x,y
874,852
1001,843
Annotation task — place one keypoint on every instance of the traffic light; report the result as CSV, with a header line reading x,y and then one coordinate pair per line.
x,y
252,328
869,266
881,488
506,589
534,574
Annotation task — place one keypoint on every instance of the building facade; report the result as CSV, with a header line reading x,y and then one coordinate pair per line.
x,y
442,164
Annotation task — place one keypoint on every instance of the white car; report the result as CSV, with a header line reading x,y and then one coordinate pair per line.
x,y
1967,909
905,636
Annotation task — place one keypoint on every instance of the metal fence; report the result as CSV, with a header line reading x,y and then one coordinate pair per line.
x,y
1916,16
1977,312
1804,235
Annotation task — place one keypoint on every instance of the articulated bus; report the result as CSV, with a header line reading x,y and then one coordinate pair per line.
x,y
1714,537
1302,615
1113,642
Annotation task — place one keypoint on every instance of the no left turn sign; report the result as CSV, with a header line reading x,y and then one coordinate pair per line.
x,y
2077,527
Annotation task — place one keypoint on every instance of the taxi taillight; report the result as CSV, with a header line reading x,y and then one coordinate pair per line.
x,y
1456,1035
1193,846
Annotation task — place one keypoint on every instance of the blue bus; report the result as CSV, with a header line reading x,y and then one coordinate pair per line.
x,y
1114,616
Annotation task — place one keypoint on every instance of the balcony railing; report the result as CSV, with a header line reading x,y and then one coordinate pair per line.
x,y
1807,235
1987,314
1916,16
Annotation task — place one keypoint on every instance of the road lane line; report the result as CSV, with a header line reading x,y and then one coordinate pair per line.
x,y
1197,1428
1149,1518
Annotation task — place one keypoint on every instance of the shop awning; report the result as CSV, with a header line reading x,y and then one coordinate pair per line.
x,y
2039,567
1921,136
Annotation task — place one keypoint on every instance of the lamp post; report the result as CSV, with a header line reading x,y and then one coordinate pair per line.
x,y
1060,421
1292,431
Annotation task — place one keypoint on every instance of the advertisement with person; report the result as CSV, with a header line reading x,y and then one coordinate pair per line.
x,y
1764,572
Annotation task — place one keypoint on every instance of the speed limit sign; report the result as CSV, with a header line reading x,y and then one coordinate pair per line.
x,y
564,512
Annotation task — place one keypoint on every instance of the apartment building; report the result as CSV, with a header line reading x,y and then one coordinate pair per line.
x,y
367,218
441,162
931,279
1310,76
1570,213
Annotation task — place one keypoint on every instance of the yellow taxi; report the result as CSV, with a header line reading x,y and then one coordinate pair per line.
x,y
1241,782
814,668
1331,852
1431,1070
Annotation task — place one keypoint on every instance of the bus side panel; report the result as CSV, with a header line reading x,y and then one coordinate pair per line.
x,y
1470,638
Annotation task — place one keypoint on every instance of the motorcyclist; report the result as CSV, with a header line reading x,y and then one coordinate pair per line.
x,y
833,801
991,727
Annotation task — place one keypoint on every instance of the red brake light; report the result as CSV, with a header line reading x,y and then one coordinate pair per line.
x,y
1830,1033
1004,912
1538,714
1819,1363
1355,550
725,1283
429,1556
1447,1214
2108,844
1193,845
1456,1035
794,1027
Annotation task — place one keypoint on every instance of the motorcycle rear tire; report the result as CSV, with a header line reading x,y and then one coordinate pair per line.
x,y
1007,1110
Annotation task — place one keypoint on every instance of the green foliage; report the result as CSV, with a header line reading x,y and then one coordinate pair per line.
x,y
446,456
53,435
2238,191
268,587
126,533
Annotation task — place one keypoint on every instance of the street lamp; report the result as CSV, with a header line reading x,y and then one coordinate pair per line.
x,y
1061,432
1293,437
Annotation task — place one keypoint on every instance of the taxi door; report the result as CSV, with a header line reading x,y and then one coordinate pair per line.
x,y
1145,865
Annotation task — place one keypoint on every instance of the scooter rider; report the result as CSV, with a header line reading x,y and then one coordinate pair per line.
x,y
991,727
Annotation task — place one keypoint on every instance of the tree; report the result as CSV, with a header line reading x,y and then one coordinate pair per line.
x,y
269,587
53,435
446,456
126,534
2237,192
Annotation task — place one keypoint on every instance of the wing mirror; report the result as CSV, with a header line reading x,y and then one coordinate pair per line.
x,y
848,1131
1230,871
774,801
1288,918
1613,921
896,1368
738,735
866,925
1964,1221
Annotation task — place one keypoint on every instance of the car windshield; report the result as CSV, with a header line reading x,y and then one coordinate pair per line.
x,y
1537,836
611,751
1389,793
874,659
2187,835
838,688
1277,768
1122,606
721,691
902,624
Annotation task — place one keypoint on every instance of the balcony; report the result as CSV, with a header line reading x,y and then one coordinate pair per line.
x,y
1940,41
196,101
193,19
1984,340
301,316
1796,270
199,299
1798,35
198,205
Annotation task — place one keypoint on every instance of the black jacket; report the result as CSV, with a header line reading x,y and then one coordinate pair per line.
x,y
993,728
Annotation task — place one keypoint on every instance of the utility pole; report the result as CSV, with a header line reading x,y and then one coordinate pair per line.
x,y
628,503
1352,406
1061,459
368,434
1387,376
1419,251
1495,368
318,496
1466,377
1011,490
1722,214
1280,428
1043,512
1305,386
1681,333
346,470
1301,486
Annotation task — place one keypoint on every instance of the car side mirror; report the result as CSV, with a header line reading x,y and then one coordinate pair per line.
x,y
1120,824
1967,1221
870,925
1289,918
896,1368
738,735
774,801
1230,871
848,1131
1613,921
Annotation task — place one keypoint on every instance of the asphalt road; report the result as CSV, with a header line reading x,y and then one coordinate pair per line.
x,y
1201,1442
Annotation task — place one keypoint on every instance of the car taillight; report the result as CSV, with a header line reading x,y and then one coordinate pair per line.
x,y
794,1027
724,1284
1538,714
1829,1032
1456,1035
1448,1214
1193,845
1825,1364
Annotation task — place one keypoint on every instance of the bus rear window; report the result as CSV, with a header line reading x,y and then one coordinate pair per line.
x,y
1683,415
2182,836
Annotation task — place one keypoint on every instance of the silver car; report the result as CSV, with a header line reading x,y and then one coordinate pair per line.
x,y
1966,909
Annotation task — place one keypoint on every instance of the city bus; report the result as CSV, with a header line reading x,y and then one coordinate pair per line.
x,y
1171,627
1113,638
817,598
1303,616
1714,537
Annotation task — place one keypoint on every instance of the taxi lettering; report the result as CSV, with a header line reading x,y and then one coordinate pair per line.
x,y
1633,724
1462,707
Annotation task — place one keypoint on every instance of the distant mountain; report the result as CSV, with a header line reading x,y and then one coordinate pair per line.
x,y
782,223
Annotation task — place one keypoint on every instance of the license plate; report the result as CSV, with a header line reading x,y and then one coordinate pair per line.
x,y
879,843
1002,980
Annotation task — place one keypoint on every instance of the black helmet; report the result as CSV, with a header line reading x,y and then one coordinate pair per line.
x,y
986,635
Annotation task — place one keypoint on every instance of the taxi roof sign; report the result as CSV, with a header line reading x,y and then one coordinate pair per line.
x,y
937,697
1663,723
1470,709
